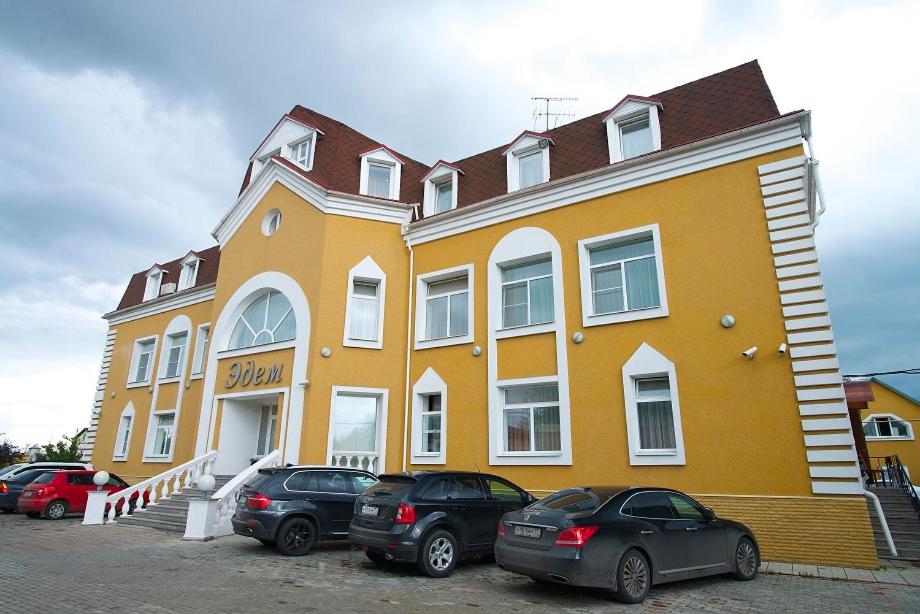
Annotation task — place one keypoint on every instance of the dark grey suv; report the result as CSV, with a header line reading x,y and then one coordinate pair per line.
x,y
294,507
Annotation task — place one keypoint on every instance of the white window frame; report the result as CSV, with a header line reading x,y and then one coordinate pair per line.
x,y
294,146
135,358
382,157
152,428
626,112
524,145
528,328
123,435
647,363
531,383
382,395
164,357
428,384
188,272
584,265
440,175
366,271
890,416
421,312
153,284
202,339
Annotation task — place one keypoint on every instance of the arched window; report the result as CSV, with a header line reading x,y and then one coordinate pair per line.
x,y
123,435
268,319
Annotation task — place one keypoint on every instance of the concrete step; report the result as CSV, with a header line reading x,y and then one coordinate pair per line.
x,y
153,523
169,515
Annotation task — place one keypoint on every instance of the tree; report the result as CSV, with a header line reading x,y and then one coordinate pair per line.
x,y
62,451
9,453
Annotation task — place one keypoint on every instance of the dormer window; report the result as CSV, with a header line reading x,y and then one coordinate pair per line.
x,y
380,173
528,161
302,152
292,138
633,128
154,279
188,274
440,188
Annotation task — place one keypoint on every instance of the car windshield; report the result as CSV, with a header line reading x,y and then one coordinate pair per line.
x,y
44,478
10,468
577,499
26,476
390,485
261,479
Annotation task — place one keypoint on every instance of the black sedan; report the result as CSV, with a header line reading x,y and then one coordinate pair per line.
x,y
11,488
623,539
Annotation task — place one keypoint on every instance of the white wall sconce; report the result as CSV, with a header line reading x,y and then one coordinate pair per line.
x,y
477,351
782,349
578,336
727,321
749,353
304,383
325,352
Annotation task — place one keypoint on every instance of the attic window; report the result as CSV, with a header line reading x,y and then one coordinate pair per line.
x,y
379,177
444,196
633,128
530,168
635,137
189,272
302,153
152,289
528,161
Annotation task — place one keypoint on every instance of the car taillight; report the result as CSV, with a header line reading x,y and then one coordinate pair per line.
x,y
41,492
501,529
576,537
405,514
4,488
258,501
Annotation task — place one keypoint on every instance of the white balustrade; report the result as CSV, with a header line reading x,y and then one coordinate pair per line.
x,y
356,460
159,487
225,498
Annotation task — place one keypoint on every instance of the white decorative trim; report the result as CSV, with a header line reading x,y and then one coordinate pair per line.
x,y
429,383
818,383
369,271
763,138
631,109
327,201
120,435
383,400
163,304
647,362
588,318
382,157
292,421
87,447
179,324
256,349
516,246
421,295
151,366
892,417
524,145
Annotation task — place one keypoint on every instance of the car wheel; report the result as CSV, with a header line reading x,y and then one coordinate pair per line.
x,y
746,559
438,555
634,577
376,557
295,537
33,514
55,510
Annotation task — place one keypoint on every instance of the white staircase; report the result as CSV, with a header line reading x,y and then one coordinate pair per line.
x,y
169,514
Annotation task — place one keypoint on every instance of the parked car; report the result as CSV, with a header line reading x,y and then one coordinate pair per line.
x,y
11,470
624,539
432,517
12,487
54,494
294,507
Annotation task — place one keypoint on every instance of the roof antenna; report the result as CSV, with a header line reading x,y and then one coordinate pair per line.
x,y
546,113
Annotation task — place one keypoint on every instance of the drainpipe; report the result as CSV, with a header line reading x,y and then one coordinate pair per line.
x,y
819,188
408,352
882,521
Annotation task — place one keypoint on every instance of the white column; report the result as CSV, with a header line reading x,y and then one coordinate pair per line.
x,y
95,507
200,522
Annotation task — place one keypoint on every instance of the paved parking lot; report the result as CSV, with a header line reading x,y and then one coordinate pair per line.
x,y
62,566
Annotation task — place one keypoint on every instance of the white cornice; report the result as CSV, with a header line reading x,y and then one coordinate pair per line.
x,y
162,304
774,135
327,201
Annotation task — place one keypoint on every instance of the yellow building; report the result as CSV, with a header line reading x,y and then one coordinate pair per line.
x,y
889,421
630,298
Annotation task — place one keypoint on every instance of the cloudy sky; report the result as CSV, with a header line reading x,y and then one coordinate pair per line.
x,y
125,128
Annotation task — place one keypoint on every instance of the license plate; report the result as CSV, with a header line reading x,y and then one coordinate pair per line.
x,y
369,510
27,493
531,532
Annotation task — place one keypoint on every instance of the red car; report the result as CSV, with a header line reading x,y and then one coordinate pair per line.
x,y
54,494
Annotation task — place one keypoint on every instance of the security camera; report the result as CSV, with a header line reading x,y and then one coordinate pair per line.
x,y
749,353
782,349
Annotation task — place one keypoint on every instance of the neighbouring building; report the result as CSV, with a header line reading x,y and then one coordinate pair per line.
x,y
889,418
570,307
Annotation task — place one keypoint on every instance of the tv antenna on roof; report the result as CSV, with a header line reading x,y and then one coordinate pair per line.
x,y
546,113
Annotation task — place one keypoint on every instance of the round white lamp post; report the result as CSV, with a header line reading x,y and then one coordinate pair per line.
x,y
206,482
100,479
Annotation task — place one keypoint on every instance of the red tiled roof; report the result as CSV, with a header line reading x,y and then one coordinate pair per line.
x,y
858,392
207,274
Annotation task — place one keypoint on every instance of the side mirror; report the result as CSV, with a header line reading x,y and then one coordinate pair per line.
x,y
529,500
708,514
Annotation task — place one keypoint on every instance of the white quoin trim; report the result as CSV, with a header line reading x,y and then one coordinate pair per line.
x,y
429,383
647,362
383,157
220,338
368,271
629,109
518,246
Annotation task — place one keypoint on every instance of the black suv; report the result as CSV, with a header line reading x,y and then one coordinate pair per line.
x,y
432,517
294,507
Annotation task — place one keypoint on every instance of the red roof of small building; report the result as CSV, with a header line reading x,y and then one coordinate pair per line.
x,y
207,274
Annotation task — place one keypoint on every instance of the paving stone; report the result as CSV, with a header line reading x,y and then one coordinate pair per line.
x,y
863,575
783,568
889,576
832,572
799,569
159,573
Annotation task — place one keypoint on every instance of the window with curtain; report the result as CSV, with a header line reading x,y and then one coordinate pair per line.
x,y
531,419
354,423
530,169
656,418
635,137
175,358
431,424
143,351
188,274
124,433
527,293
886,427
447,308
624,276
201,349
378,180
364,310
444,197
152,288
269,318
163,435
300,153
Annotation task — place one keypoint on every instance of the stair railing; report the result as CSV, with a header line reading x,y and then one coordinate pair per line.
x,y
226,496
902,480
144,494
